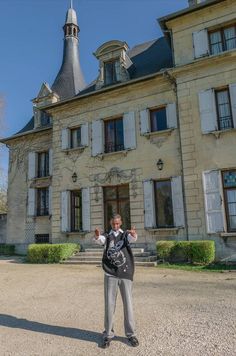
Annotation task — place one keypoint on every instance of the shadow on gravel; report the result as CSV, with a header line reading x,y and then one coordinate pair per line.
x,y
85,335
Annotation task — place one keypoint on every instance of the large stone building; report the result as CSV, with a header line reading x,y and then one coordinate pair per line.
x,y
152,138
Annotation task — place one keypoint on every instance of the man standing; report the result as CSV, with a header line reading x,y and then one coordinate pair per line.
x,y
118,264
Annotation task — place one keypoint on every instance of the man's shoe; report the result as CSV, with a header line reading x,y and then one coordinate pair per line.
x,y
106,343
133,341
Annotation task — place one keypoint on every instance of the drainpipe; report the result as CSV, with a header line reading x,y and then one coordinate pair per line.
x,y
172,80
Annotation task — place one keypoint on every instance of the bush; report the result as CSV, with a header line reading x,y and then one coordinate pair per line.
x,y
7,249
164,249
50,253
202,251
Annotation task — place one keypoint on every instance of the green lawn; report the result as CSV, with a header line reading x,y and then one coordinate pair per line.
x,y
198,268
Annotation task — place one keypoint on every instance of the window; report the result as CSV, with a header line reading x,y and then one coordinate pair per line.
x,y
158,119
114,135
116,201
42,201
222,39
223,109
42,238
229,186
45,119
76,211
43,164
75,137
110,72
163,202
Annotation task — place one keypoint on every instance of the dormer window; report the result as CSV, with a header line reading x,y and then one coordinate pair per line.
x,y
114,63
111,72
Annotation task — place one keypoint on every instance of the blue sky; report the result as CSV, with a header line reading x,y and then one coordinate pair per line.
x,y
31,39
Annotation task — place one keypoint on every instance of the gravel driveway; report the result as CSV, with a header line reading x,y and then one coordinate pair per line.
x,y
58,310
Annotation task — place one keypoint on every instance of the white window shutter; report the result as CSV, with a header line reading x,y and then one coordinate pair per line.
x,y
32,165
31,202
129,130
207,108
171,115
118,70
149,204
177,201
97,138
85,134
50,200
50,161
144,121
86,209
232,90
65,211
200,43
65,138
213,201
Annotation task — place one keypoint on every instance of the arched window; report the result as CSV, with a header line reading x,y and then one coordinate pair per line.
x,y
74,30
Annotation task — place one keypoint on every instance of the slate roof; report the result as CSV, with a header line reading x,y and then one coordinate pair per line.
x,y
148,58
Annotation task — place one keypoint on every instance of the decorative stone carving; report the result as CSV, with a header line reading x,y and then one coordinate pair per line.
x,y
115,175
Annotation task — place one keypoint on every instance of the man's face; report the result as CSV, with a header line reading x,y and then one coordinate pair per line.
x,y
116,224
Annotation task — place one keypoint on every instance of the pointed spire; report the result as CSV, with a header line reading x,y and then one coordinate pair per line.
x,y
71,4
70,80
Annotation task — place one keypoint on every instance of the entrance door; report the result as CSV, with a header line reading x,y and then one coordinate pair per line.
x,y
116,201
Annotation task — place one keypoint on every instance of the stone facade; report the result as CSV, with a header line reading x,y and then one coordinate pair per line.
x,y
187,151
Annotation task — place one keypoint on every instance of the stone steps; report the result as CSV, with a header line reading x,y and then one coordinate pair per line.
x,y
93,256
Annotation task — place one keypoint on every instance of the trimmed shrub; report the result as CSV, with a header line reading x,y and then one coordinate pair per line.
x,y
50,253
202,252
7,249
164,249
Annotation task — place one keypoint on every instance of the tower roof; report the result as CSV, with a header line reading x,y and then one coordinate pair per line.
x,y
70,80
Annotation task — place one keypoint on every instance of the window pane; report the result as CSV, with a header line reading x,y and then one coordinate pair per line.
x,y
116,201
119,135
123,191
230,37
76,211
110,193
124,211
216,42
231,200
110,75
164,209
76,138
229,179
158,119
224,111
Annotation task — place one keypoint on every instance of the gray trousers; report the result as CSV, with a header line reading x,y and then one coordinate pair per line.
x,y
111,285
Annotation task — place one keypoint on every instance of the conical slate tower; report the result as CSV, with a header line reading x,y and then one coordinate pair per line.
x,y
70,79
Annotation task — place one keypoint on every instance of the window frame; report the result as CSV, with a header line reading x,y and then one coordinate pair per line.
x,y
73,195
216,91
223,40
156,109
114,76
117,200
226,209
42,211
76,128
156,204
46,169
106,122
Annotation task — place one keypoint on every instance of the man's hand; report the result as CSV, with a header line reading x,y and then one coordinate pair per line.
x,y
132,232
97,233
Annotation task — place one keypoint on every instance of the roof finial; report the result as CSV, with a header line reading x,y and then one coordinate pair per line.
x,y
71,4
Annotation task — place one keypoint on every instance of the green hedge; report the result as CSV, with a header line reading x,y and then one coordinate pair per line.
x,y
50,253
202,251
7,249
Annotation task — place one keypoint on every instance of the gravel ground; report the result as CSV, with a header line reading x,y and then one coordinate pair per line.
x,y
58,310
